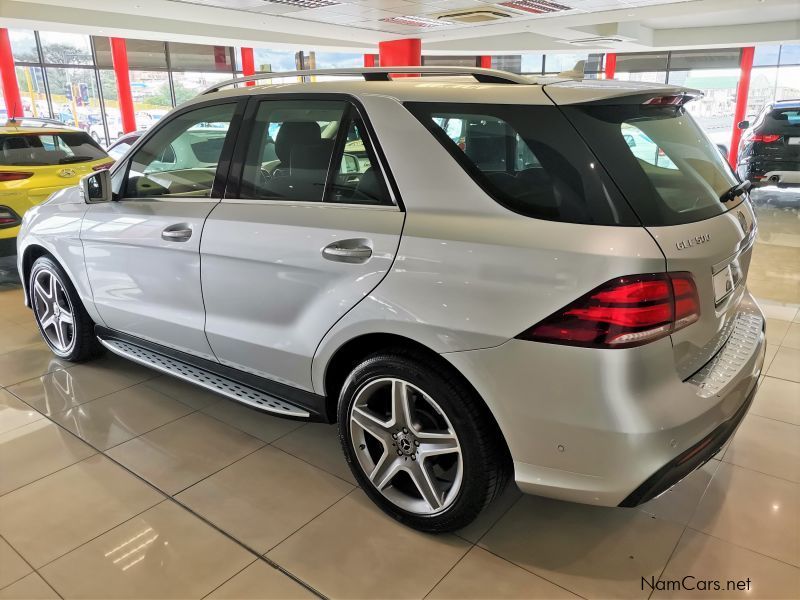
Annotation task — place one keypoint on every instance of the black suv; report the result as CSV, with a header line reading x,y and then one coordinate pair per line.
x,y
769,152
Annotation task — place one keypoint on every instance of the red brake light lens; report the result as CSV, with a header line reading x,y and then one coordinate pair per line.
x,y
102,167
14,175
624,312
766,138
676,100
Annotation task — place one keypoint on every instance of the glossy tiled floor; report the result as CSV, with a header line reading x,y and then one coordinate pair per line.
x,y
117,482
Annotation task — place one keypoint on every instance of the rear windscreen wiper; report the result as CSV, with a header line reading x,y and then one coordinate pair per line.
x,y
73,159
739,188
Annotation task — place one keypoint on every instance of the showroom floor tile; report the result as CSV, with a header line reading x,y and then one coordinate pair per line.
x,y
176,492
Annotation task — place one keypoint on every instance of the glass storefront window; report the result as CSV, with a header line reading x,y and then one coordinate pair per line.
x,y
533,63
197,57
766,56
188,84
762,89
33,92
65,48
73,92
649,76
788,83
556,63
790,54
151,97
142,54
713,111
644,62
23,45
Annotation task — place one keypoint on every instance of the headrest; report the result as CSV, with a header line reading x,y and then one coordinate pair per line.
x,y
293,133
311,157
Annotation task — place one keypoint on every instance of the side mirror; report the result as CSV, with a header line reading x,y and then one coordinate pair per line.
x,y
743,124
96,187
350,163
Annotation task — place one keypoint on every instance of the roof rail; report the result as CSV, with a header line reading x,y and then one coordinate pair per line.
x,y
383,74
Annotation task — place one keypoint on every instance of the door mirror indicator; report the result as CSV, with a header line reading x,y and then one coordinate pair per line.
x,y
96,188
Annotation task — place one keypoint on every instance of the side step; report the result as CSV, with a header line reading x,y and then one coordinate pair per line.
x,y
206,379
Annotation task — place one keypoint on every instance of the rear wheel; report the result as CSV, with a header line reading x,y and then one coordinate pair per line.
x,y
60,315
419,442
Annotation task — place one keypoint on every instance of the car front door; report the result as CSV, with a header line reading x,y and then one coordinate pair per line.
x,y
307,228
142,250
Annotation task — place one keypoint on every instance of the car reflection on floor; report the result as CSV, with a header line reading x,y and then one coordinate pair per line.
x,y
773,271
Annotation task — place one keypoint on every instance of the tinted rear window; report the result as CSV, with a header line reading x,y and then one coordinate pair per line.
x,y
43,149
668,169
787,117
529,159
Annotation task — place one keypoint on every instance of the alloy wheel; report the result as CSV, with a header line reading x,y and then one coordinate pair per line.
x,y
54,311
406,446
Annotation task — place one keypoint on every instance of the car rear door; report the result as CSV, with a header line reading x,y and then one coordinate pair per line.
x,y
299,239
142,251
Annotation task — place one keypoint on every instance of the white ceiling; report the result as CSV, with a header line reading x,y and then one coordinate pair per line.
x,y
357,25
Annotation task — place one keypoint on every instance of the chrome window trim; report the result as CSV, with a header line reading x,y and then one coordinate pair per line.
x,y
308,203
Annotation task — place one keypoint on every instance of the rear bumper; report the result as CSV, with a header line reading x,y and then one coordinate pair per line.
x,y
611,427
770,172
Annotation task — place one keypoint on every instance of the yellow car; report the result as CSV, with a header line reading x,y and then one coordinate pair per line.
x,y
38,158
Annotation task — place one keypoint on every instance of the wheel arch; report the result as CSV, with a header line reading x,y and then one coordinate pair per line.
x,y
29,256
351,352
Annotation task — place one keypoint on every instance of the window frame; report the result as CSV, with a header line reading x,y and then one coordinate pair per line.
x,y
353,105
223,166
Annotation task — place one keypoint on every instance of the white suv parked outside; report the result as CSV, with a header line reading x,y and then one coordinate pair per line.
x,y
474,276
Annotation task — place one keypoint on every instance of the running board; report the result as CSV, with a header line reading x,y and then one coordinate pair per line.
x,y
206,379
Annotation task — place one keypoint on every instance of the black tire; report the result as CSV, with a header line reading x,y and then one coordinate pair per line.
x,y
485,466
84,344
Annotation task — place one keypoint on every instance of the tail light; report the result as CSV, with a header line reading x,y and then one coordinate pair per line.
x,y
14,175
8,218
102,167
766,138
624,312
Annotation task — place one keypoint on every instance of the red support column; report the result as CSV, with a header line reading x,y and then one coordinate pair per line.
x,y
486,62
369,60
119,58
9,76
742,92
401,53
611,65
248,64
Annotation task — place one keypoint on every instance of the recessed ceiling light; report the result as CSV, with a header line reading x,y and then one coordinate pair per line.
x,y
535,6
305,3
413,21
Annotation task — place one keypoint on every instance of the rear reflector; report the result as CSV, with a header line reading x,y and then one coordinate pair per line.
x,y
624,312
8,218
14,175
767,139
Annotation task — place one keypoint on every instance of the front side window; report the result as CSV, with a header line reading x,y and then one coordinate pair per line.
x,y
528,158
48,149
181,159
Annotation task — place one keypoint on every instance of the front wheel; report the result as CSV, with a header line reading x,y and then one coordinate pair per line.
x,y
419,442
63,321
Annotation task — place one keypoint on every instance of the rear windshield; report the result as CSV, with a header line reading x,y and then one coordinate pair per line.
x,y
43,149
529,159
665,165
786,117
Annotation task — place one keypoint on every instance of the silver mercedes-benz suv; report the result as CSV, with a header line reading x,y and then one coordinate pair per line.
x,y
476,275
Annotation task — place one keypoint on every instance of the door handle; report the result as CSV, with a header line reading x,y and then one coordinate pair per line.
x,y
177,233
348,251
